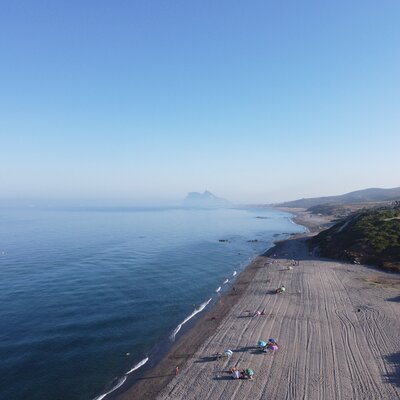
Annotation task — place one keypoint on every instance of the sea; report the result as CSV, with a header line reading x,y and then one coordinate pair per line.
x,y
89,296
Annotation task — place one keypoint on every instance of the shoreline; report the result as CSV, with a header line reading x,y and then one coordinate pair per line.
x,y
151,381
337,326
154,380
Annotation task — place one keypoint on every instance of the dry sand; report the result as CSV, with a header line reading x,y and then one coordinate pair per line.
x,y
338,326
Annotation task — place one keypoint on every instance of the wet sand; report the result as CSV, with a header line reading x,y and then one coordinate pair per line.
x,y
337,325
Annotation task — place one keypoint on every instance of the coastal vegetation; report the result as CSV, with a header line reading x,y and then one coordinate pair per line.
x,y
367,236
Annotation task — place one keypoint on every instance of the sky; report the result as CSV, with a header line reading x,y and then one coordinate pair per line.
x,y
133,102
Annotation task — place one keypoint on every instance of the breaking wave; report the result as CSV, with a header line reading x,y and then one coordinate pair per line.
x,y
138,365
119,384
196,311
219,288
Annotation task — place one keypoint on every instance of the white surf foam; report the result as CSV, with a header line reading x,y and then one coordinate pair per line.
x,y
219,288
226,281
138,365
234,273
196,311
119,384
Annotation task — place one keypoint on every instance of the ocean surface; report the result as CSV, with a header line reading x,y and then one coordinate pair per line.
x,y
86,294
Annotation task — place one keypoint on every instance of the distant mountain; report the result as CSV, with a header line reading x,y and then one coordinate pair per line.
x,y
204,200
360,196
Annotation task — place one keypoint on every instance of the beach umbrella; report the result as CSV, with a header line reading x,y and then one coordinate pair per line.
x,y
272,340
249,372
261,343
228,352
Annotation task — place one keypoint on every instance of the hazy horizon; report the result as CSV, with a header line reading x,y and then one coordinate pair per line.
x,y
132,202
140,103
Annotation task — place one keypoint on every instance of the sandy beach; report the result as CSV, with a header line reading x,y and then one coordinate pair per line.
x,y
337,327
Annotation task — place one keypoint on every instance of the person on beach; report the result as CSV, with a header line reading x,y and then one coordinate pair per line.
x,y
281,289
176,371
272,345
247,374
234,373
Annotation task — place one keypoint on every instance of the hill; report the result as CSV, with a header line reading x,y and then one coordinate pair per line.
x,y
204,200
370,195
368,236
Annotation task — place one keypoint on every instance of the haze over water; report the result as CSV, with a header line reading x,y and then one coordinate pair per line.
x,y
81,288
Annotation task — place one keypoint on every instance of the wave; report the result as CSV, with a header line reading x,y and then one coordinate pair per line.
x,y
226,281
138,365
119,384
219,288
234,273
196,311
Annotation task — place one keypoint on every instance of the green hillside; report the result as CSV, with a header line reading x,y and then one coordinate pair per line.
x,y
369,236
371,195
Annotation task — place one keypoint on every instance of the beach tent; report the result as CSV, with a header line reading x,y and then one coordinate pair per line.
x,y
261,343
272,340
228,353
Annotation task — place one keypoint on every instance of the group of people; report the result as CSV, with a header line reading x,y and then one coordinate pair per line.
x,y
243,374
248,373
271,345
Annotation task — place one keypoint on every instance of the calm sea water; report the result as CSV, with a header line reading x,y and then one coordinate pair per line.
x,y
82,288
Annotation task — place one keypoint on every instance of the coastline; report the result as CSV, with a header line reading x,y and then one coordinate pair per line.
x,y
155,379
333,344
150,382
327,325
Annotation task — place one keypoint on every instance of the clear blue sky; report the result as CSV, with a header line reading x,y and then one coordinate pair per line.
x,y
257,101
